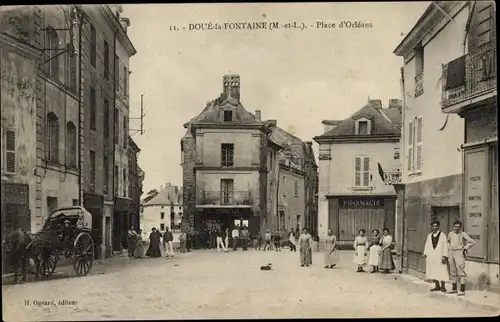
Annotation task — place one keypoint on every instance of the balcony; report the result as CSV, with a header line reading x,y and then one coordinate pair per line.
x,y
469,80
392,178
227,198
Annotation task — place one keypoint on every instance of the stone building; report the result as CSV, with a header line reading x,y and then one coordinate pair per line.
x,y
358,161
163,211
135,180
224,160
233,168
469,89
450,163
18,122
75,90
298,177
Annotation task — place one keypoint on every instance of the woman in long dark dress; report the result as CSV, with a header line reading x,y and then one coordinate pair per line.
x,y
386,262
154,244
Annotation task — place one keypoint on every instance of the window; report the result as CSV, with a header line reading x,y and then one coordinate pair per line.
x,y
51,205
92,170
72,67
296,188
419,60
228,116
125,136
106,174
93,111
415,145
162,215
71,144
115,180
125,81
117,72
124,183
10,151
227,190
53,52
93,46
106,119
363,127
227,157
162,227
106,60
116,119
52,138
362,172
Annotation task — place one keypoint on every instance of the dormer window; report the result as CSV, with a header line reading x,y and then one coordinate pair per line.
x,y
363,126
228,116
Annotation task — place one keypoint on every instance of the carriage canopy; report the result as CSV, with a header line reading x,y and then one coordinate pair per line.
x,y
78,215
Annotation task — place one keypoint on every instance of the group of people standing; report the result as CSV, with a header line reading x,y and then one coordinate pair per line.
x,y
135,243
445,257
375,252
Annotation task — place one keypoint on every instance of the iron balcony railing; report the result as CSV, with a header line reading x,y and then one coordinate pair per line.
x,y
392,178
469,76
227,198
419,84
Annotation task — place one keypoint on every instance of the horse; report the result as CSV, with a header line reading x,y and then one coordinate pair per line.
x,y
17,244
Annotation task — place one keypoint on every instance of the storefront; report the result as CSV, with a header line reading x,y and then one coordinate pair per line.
x,y
480,195
95,205
15,205
121,223
349,214
226,217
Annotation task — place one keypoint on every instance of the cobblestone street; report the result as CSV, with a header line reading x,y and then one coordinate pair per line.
x,y
207,284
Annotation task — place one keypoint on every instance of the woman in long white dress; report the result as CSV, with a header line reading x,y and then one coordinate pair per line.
x,y
374,249
360,245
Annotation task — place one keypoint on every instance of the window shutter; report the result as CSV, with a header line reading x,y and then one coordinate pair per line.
x,y
366,171
357,169
410,146
419,145
10,151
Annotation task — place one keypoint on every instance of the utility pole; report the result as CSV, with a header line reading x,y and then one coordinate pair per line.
x,y
141,118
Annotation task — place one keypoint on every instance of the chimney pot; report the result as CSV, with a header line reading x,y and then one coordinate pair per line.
x,y
272,122
258,115
231,85
376,103
395,103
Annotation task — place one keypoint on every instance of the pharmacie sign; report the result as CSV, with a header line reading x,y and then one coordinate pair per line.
x,y
361,202
476,178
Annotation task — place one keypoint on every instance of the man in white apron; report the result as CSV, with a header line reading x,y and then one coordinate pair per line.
x,y
459,243
436,254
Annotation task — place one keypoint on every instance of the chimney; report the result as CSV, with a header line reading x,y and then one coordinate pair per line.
x,y
125,22
272,122
308,143
395,103
330,124
258,115
231,86
376,103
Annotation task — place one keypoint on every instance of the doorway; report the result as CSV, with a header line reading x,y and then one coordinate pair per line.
x,y
446,216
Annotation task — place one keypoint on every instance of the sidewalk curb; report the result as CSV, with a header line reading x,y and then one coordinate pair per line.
x,y
463,299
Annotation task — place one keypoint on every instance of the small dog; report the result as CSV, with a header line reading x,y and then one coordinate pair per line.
x,y
266,268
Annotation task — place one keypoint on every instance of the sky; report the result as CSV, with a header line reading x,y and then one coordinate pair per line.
x,y
297,77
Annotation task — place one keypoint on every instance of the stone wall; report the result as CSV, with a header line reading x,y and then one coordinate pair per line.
x,y
480,123
189,182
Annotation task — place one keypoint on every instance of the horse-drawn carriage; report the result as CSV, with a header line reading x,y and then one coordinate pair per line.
x,y
66,233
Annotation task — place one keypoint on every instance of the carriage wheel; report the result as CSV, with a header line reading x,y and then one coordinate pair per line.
x,y
83,255
48,264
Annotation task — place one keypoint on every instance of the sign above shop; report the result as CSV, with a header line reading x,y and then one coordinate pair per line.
x,y
361,202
